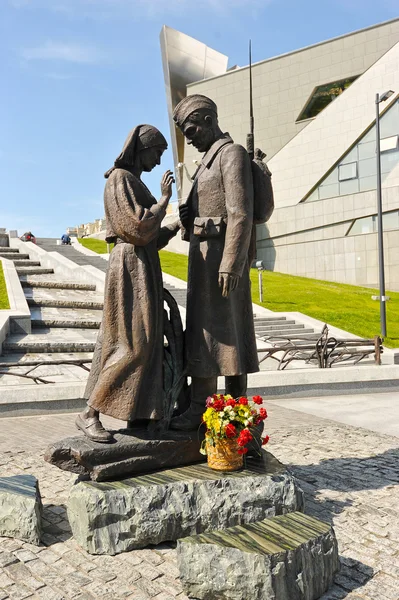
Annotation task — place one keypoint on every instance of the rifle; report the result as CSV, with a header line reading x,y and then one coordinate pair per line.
x,y
250,135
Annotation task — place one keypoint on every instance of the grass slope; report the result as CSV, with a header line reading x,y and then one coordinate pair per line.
x,y
98,246
345,306
3,290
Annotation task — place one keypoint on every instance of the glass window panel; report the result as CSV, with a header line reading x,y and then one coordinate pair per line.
x,y
391,220
389,143
388,161
389,122
367,150
365,225
322,96
348,171
332,178
368,183
350,157
367,167
313,196
370,136
328,191
351,186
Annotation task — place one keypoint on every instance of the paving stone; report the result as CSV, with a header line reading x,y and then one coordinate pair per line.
x,y
18,592
7,558
320,453
24,555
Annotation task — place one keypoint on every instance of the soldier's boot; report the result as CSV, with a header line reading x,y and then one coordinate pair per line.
x,y
201,388
236,385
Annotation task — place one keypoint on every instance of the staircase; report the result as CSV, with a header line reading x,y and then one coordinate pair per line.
x,y
266,328
65,318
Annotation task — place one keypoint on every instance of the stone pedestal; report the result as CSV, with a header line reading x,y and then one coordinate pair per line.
x,y
20,508
134,451
113,517
289,557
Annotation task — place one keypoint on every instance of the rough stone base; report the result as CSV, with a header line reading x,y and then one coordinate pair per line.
x,y
135,451
290,557
20,508
113,517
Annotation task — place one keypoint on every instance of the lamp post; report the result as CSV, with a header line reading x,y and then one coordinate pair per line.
x,y
260,266
383,314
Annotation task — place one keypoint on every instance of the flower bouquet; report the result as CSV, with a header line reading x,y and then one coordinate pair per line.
x,y
228,429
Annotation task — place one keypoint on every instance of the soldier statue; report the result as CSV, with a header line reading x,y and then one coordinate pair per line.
x,y
218,223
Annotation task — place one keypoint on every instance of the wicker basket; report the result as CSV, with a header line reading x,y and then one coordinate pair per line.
x,y
223,455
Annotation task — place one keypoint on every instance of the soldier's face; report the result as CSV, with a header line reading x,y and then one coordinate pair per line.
x,y
198,134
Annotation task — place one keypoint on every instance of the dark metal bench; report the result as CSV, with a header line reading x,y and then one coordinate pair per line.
x,y
321,349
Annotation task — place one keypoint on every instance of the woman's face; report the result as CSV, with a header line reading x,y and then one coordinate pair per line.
x,y
151,157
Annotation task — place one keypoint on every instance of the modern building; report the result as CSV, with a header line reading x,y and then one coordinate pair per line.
x,y
315,115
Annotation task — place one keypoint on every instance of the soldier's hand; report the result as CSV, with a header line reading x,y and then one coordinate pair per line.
x,y
228,282
183,214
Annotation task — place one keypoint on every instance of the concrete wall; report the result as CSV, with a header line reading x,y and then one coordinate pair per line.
x,y
310,239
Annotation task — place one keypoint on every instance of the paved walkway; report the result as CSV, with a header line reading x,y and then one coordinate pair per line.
x,y
350,477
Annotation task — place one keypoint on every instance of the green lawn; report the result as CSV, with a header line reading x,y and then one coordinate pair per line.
x,y
98,246
346,306
3,290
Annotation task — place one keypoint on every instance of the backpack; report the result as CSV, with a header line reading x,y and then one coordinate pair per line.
x,y
263,190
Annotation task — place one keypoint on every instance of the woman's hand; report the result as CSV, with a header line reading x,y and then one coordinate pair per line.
x,y
166,186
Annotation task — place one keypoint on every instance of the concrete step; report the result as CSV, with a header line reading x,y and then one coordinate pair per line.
x,y
291,333
28,263
14,255
267,319
49,323
32,358
78,315
273,328
60,294
52,302
280,322
50,341
57,285
33,270
6,250
51,398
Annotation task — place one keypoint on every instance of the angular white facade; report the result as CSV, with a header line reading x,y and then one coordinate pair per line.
x,y
323,166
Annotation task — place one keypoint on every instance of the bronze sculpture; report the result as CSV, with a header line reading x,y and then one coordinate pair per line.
x,y
126,377
218,222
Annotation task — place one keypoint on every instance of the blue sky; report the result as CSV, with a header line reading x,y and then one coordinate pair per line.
x,y
79,74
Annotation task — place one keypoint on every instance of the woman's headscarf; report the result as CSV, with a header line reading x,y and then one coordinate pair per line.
x,y
142,136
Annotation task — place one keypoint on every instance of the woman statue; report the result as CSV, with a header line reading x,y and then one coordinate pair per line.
x,y
126,378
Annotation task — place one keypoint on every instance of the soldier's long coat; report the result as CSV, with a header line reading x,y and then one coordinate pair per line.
x,y
220,337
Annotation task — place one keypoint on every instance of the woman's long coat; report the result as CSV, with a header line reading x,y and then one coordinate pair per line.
x,y
220,337
126,379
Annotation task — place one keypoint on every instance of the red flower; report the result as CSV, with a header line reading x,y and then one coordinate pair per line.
x,y
218,405
242,450
244,437
262,414
243,400
258,399
230,430
231,402
265,440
